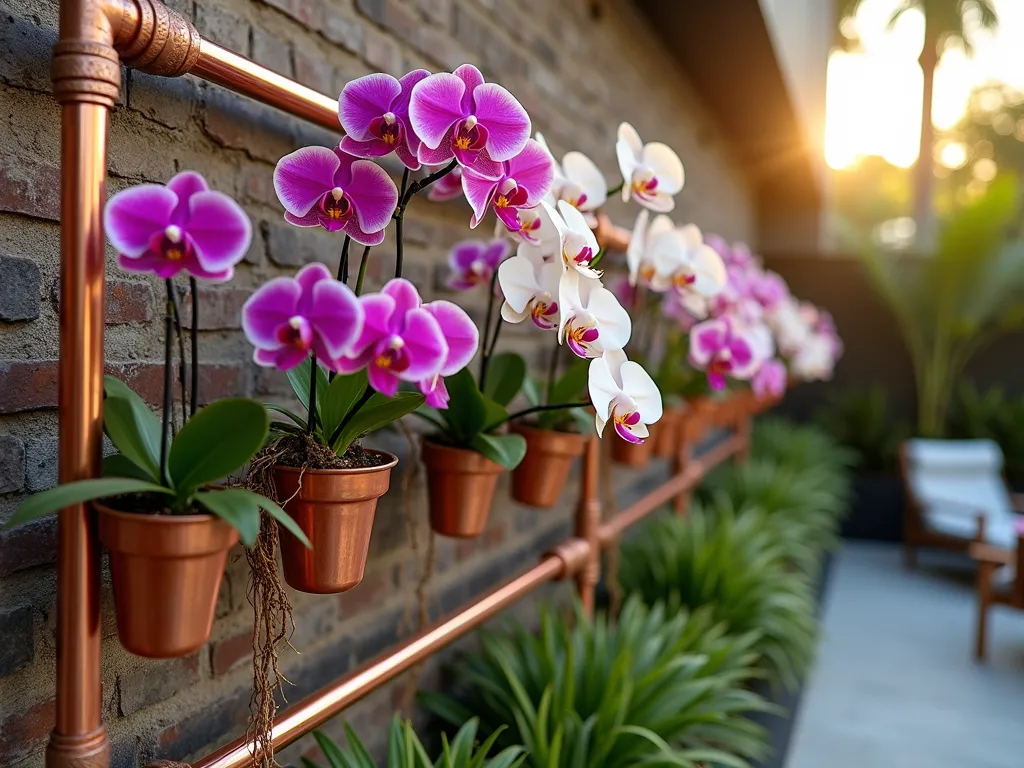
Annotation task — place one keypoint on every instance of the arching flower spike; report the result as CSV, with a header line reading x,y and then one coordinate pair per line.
x,y
624,394
448,187
524,181
652,173
374,111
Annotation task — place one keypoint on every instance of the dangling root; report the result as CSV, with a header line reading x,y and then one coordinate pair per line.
x,y
422,608
273,622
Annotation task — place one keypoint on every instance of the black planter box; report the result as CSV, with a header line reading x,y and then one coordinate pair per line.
x,y
876,509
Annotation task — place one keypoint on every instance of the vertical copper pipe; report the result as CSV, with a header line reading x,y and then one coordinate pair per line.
x,y
744,431
680,461
588,520
80,735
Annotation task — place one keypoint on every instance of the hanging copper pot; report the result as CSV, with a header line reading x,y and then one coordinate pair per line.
x,y
461,486
635,454
335,509
666,436
166,571
541,476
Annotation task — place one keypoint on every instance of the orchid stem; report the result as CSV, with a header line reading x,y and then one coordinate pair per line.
x,y
311,408
419,186
362,270
616,189
403,200
343,264
552,370
182,372
486,357
367,394
193,287
165,423
536,409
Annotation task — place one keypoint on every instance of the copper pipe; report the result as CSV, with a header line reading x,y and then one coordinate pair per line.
x,y
588,520
682,458
611,530
221,66
329,701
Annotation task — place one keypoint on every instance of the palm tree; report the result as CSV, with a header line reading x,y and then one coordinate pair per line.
x,y
943,20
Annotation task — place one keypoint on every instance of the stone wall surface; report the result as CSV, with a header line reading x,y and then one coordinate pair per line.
x,y
578,66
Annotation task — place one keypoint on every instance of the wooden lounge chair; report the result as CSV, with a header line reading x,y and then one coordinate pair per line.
x,y
1000,582
955,496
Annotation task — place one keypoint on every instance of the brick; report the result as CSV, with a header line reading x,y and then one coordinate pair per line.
x,y
26,732
219,309
272,53
27,385
31,187
128,301
213,723
25,49
226,653
381,51
154,681
393,15
313,72
19,289
258,184
239,123
28,546
12,464
18,630
289,246
307,12
375,588
40,463
270,381
169,101
437,11
341,29
222,27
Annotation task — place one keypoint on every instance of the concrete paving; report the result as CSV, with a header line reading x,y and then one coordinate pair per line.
x,y
896,685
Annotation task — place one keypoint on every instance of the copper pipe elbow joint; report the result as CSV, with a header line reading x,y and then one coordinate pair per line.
x,y
574,554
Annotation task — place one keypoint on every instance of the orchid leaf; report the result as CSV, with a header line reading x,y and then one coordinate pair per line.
x,y
119,465
238,512
48,502
469,414
571,385
132,427
506,450
378,412
341,395
218,440
298,377
275,408
505,375
244,495
531,391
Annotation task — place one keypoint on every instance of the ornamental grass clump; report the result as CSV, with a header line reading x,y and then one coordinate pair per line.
x,y
735,567
658,687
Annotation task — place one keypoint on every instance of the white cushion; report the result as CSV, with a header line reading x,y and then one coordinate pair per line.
x,y
955,481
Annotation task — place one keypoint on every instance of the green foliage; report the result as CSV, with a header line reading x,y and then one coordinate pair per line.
x,y
737,566
861,420
470,421
954,301
216,442
346,408
505,375
570,387
406,751
656,688
995,416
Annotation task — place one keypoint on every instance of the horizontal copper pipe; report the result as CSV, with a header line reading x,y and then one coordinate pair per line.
x,y
221,66
329,701
692,474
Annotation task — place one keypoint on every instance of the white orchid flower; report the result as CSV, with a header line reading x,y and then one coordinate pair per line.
x,y
683,261
789,326
577,243
815,359
537,229
639,252
592,320
578,181
652,173
530,287
623,393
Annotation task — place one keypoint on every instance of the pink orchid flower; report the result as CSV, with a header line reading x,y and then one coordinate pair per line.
x,y
331,189
183,226
448,187
523,182
400,340
287,318
624,394
462,337
459,115
473,262
374,111
652,173
722,350
770,379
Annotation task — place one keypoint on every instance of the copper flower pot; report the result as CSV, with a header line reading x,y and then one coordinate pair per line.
x,y
461,484
166,571
635,454
335,509
544,471
666,436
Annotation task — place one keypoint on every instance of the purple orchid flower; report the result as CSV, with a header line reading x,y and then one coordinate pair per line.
x,y
523,182
459,115
463,339
374,111
287,318
181,226
448,187
770,380
400,340
473,262
722,349
331,189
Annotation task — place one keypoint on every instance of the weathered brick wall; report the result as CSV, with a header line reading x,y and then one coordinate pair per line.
x,y
578,66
